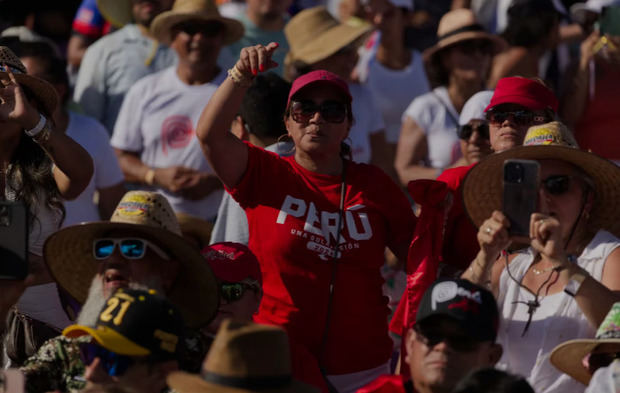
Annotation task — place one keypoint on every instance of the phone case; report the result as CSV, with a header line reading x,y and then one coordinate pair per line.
x,y
13,240
521,181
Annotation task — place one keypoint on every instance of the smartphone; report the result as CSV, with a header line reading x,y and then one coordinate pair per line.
x,y
609,21
13,240
521,181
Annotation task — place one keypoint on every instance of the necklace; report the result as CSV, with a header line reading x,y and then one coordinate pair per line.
x,y
539,272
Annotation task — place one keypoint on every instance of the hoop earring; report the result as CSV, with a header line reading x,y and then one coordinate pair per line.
x,y
286,138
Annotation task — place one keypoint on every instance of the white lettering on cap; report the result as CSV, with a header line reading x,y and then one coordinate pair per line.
x,y
443,292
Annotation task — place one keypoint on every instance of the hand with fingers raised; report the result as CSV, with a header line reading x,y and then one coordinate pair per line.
x,y
252,60
14,105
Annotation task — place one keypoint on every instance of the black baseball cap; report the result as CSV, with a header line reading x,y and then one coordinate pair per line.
x,y
136,323
472,306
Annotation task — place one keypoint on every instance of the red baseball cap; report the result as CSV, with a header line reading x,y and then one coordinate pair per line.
x,y
232,262
319,76
525,92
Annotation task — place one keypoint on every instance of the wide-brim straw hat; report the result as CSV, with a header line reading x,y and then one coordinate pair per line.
x,y
117,12
482,190
568,356
196,228
244,357
204,10
69,255
314,34
43,91
457,26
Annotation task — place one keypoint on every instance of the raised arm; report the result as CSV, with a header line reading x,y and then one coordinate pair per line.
x,y
227,155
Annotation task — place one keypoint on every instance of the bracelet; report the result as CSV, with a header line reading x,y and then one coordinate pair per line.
x,y
239,78
35,131
575,281
43,136
149,177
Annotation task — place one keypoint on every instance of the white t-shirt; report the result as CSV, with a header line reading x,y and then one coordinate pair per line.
x,y
158,120
366,120
94,138
438,119
393,90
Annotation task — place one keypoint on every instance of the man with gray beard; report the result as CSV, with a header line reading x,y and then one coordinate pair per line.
x,y
140,247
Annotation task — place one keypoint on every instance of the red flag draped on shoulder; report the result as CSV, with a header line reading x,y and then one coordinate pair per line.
x,y
424,252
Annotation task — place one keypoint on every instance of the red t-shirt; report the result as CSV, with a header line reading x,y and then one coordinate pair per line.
x,y
597,129
388,384
292,215
460,245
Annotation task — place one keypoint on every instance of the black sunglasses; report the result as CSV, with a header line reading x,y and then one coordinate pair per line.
x,y
557,184
521,118
431,337
464,132
331,111
233,291
603,359
209,29
471,46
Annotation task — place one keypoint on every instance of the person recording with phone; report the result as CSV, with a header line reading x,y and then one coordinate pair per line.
x,y
589,102
565,282
40,168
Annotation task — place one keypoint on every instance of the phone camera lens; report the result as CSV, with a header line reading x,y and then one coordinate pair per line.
x,y
514,173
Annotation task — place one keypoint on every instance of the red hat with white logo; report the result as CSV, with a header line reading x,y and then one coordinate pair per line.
x,y
232,262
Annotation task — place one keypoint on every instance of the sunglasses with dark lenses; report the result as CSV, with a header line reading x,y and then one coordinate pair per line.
x,y
521,118
431,337
557,184
233,291
602,359
464,132
471,46
209,29
331,111
112,363
130,248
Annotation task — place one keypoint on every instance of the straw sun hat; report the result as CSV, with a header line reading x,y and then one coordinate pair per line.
x,y
244,357
567,356
69,254
42,90
204,10
117,12
314,34
457,26
482,190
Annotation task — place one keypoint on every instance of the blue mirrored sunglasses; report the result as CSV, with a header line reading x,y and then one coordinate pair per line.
x,y
130,248
112,363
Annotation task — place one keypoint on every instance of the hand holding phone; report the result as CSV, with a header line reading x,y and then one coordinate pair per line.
x,y
520,198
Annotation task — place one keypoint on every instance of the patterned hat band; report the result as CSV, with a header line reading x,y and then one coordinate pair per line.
x,y
7,68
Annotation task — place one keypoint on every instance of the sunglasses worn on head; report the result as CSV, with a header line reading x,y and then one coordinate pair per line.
x,y
233,291
331,111
130,248
465,131
597,360
521,118
431,337
112,363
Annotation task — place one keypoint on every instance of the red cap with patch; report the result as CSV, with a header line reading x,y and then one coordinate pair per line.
x,y
232,262
525,92
319,76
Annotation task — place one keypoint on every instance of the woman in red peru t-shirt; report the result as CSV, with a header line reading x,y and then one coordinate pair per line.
x,y
293,205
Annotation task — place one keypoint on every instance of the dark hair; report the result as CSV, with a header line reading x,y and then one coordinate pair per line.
x,y
437,74
54,68
529,21
491,380
30,173
264,105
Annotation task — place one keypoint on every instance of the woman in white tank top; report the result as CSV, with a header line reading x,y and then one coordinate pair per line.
x,y
561,286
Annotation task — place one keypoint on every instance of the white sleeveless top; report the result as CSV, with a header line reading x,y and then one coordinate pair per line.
x,y
558,319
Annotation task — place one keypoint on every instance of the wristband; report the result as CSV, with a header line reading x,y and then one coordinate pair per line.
x,y
34,131
575,281
149,177
239,78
